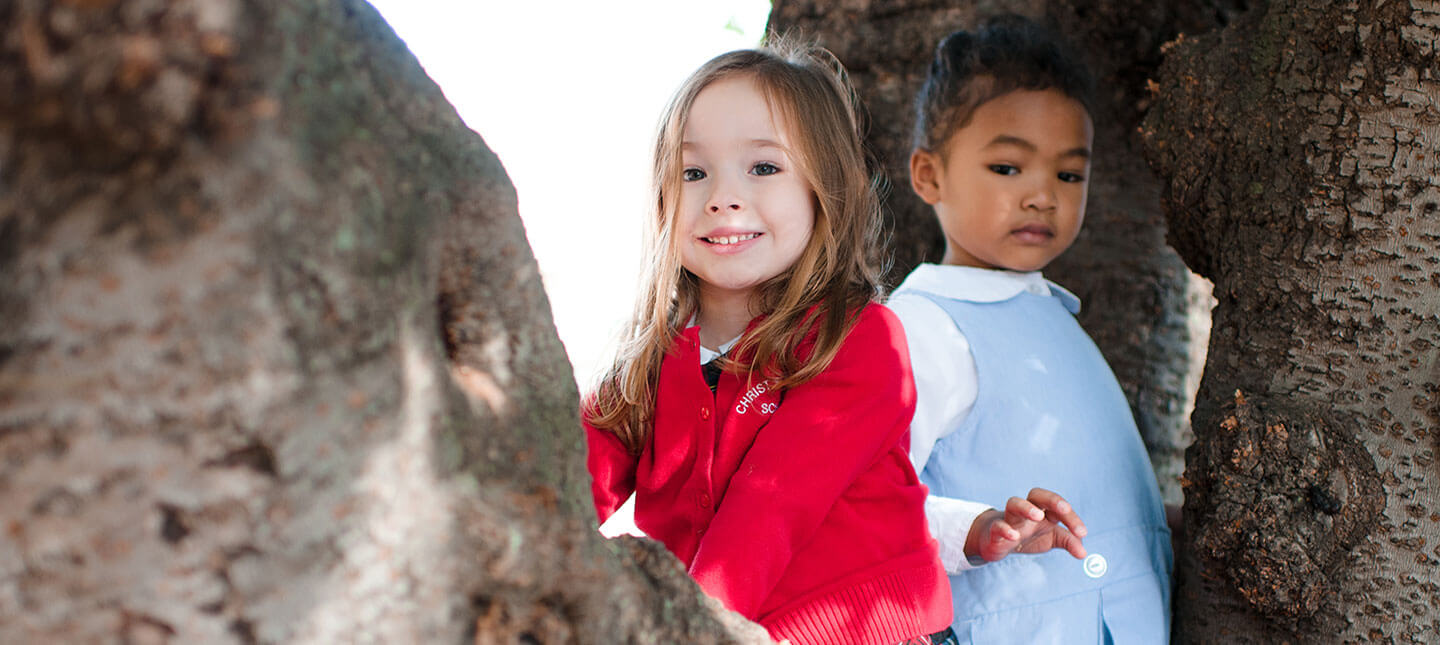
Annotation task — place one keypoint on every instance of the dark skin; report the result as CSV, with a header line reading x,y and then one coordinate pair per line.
x,y
1037,523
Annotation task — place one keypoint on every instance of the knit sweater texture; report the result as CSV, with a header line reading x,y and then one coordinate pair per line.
x,y
799,509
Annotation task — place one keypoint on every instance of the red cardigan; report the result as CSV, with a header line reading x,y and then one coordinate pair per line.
x,y
798,509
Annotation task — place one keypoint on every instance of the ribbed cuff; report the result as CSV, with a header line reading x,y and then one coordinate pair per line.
x,y
888,608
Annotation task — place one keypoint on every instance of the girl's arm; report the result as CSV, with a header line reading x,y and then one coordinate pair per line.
x,y
825,434
612,471
946,385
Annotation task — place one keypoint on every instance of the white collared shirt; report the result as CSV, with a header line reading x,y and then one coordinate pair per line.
x,y
945,377
707,354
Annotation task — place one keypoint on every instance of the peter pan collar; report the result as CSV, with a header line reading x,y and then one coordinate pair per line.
x,y
983,285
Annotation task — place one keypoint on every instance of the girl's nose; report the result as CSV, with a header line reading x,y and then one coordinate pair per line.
x,y
1041,197
723,199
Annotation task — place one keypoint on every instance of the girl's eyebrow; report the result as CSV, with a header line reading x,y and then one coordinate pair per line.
x,y
759,143
1012,140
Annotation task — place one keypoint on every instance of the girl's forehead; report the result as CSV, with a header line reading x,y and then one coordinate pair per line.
x,y
734,108
1040,119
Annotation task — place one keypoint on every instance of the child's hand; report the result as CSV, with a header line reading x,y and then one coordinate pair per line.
x,y
1036,524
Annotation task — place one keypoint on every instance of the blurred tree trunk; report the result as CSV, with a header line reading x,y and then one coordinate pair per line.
x,y
275,361
1137,294
1299,146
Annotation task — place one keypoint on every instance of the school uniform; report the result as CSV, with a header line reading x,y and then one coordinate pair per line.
x,y
1012,394
798,509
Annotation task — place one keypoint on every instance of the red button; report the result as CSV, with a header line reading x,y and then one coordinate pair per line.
x,y
704,500
704,413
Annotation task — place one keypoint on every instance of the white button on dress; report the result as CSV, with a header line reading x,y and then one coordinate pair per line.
x,y
1095,565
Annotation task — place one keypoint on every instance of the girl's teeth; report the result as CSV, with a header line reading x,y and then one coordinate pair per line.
x,y
733,238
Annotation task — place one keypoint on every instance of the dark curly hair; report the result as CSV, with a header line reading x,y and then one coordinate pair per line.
x,y
1005,54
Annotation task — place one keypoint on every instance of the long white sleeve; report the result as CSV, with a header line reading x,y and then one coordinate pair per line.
x,y
945,388
950,521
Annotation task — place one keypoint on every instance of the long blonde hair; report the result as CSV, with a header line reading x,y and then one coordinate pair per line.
x,y
820,295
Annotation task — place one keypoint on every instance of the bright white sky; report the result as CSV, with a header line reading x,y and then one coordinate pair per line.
x,y
568,94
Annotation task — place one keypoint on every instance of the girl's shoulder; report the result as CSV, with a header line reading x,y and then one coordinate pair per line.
x,y
877,332
873,361
875,318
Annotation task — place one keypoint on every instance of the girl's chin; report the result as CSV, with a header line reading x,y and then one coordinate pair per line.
x,y
727,287
1024,267
1024,262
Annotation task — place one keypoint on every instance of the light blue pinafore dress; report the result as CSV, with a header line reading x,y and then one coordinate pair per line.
x,y
1049,413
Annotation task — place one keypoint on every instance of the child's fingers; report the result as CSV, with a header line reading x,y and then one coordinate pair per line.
x,y
1067,540
1071,521
1019,511
1048,500
1002,529
1058,510
1001,540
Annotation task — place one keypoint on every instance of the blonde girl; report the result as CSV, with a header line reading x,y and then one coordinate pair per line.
x,y
757,409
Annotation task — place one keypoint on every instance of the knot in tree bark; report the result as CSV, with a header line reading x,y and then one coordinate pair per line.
x,y
1290,492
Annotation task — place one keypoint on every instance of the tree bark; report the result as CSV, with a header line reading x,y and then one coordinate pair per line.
x,y
275,361
1133,286
1299,150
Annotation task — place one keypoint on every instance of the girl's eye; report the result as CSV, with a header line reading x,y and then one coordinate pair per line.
x,y
765,168
1004,169
692,174
1071,178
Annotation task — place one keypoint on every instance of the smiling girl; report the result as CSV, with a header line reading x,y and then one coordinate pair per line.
x,y
758,408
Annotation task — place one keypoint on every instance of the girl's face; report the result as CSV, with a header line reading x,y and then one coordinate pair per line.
x,y
746,212
1010,186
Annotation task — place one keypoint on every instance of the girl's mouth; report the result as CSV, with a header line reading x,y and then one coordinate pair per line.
x,y
1034,234
727,240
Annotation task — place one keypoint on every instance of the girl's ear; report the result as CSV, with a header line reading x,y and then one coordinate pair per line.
x,y
925,174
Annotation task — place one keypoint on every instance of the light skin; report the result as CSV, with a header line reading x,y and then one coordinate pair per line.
x,y
1009,189
746,211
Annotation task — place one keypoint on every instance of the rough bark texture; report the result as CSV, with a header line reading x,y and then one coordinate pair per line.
x,y
275,361
1300,146
1133,286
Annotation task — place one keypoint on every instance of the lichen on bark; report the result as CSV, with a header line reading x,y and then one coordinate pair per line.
x,y
276,364
1299,168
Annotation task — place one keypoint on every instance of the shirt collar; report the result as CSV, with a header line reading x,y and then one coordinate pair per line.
x,y
707,354
983,285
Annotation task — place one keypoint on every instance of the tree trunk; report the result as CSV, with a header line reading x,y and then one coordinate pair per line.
x,y
275,361
1133,286
1299,147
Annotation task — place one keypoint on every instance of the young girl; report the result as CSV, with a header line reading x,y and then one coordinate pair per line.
x,y
758,410
1011,391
